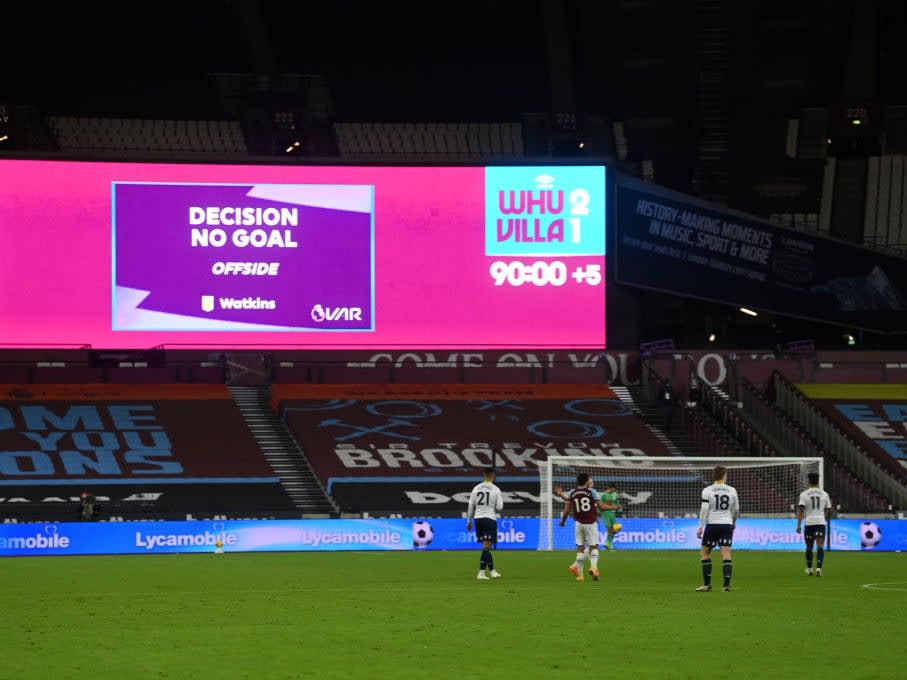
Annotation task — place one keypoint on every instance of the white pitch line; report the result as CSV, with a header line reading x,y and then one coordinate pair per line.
x,y
884,586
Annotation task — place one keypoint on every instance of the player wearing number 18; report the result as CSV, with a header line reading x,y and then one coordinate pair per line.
x,y
718,515
584,502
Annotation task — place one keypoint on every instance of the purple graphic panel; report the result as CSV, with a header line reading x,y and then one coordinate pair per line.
x,y
243,257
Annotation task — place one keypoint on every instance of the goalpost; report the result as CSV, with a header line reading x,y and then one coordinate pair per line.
x,y
671,486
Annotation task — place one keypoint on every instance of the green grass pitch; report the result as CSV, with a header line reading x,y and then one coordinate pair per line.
x,y
382,615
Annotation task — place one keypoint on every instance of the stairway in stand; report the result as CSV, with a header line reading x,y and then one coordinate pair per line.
x,y
676,441
282,452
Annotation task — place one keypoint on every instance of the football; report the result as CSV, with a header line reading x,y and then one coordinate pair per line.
x,y
617,526
422,534
870,535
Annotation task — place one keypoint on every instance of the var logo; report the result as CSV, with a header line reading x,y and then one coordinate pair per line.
x,y
320,314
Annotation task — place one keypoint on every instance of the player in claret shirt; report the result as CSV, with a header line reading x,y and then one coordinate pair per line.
x,y
585,502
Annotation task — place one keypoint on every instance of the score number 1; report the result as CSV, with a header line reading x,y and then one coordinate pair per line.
x,y
579,205
542,273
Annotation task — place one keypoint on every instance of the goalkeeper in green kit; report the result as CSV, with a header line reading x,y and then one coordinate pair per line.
x,y
610,517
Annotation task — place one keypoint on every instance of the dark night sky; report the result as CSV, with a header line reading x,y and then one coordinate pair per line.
x,y
395,61
414,60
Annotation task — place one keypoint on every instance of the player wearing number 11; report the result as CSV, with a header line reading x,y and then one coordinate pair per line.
x,y
815,504
718,515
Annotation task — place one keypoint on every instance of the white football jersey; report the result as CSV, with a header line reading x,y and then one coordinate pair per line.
x,y
814,501
723,505
485,501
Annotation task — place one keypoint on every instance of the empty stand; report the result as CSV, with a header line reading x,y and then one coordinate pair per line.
x,y
698,433
166,136
418,449
282,451
437,140
153,451
13,374
142,374
67,374
885,219
55,367
870,414
874,464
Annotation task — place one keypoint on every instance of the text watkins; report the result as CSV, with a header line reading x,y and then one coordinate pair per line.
x,y
247,303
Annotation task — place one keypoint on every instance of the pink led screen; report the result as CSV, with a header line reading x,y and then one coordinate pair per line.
x,y
134,255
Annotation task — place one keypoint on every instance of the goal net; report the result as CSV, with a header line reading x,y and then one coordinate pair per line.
x,y
665,487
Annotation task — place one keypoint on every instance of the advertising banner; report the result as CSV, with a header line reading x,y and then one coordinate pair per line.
x,y
137,255
751,534
398,534
670,242
448,495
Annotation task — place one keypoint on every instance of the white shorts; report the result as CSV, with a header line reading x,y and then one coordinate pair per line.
x,y
587,534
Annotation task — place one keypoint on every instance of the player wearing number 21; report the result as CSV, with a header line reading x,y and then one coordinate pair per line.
x,y
485,505
815,504
584,502
718,515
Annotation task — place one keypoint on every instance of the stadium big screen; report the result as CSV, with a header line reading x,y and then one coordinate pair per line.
x,y
134,255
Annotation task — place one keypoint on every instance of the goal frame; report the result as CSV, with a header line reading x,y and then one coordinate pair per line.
x,y
546,470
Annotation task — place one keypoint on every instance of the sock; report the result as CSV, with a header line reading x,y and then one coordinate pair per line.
x,y
809,558
485,560
580,558
489,560
728,568
586,553
593,558
820,557
707,572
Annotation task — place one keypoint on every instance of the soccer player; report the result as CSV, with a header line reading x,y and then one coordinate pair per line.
x,y
585,502
485,505
609,517
815,504
718,516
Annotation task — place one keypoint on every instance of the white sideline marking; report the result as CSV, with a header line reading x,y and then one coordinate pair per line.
x,y
885,586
